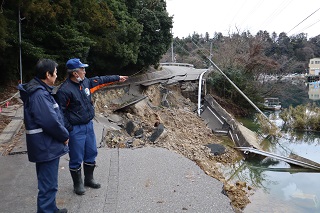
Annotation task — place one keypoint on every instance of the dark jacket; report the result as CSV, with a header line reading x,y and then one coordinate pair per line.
x,y
75,99
43,120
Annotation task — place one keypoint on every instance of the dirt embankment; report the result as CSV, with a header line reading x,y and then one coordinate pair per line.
x,y
184,132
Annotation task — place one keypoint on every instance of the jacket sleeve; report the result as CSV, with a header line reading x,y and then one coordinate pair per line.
x,y
63,100
46,114
101,81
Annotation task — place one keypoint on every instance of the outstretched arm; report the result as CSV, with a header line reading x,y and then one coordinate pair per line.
x,y
123,78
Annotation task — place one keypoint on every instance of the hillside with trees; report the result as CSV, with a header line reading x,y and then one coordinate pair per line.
x,y
113,36
126,37
257,64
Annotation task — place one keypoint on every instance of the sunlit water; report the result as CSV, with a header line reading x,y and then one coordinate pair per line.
x,y
280,190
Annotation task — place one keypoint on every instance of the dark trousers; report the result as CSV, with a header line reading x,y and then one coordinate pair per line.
x,y
82,145
47,174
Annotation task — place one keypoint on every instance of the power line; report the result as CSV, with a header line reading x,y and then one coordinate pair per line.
x,y
276,12
253,10
309,26
188,52
236,14
200,49
303,20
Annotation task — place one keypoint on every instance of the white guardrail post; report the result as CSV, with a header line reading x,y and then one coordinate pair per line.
x,y
199,92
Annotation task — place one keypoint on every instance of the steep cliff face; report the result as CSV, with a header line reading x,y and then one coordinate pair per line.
x,y
165,118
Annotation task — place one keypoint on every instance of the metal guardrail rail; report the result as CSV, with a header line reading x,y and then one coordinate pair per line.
x,y
176,64
246,150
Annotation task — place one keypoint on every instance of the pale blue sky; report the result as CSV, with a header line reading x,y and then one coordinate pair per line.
x,y
228,16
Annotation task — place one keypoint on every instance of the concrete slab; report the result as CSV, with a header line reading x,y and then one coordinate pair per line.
x,y
11,129
14,126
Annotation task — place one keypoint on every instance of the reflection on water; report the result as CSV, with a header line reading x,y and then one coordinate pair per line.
x,y
277,187
314,91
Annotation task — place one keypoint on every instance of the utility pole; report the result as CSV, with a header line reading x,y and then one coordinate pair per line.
x,y
211,51
237,88
172,57
20,58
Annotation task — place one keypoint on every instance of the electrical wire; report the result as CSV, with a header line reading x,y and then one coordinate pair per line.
x,y
188,52
200,49
240,9
309,26
253,10
303,20
277,12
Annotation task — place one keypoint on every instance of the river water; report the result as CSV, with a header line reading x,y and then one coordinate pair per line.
x,y
277,186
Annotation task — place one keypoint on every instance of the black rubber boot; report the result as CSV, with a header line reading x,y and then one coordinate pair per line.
x,y
88,176
77,181
61,211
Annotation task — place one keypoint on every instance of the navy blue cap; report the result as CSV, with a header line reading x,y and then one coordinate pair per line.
x,y
75,63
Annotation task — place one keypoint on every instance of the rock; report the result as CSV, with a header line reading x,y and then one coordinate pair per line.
x,y
130,127
130,116
138,133
114,118
217,149
129,143
156,133
241,184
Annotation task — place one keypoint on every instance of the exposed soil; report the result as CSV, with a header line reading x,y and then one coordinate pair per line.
x,y
184,132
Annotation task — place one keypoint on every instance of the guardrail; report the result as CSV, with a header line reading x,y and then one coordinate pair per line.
x,y
177,64
246,150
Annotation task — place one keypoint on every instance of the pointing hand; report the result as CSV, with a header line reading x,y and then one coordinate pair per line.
x,y
123,78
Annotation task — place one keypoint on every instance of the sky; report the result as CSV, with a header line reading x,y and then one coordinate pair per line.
x,y
231,16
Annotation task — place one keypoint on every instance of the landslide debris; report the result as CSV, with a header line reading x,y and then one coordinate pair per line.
x,y
181,130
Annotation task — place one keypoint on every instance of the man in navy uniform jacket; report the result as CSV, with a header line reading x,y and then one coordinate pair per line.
x,y
74,97
47,138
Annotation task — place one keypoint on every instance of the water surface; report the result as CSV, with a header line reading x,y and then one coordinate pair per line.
x,y
277,186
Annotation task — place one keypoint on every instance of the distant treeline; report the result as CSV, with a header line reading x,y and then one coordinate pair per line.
x,y
113,36
290,53
248,60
